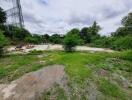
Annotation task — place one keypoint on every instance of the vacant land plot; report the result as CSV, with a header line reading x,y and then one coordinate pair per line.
x,y
89,76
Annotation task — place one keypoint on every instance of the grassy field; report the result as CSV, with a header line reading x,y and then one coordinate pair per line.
x,y
107,75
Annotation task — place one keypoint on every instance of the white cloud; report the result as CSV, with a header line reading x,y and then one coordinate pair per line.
x,y
59,16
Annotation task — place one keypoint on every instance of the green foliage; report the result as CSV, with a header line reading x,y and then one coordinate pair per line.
x,y
127,20
74,31
126,55
56,39
3,42
105,42
122,43
87,33
35,39
46,38
2,16
95,28
71,41
127,26
36,52
123,31
19,34
116,43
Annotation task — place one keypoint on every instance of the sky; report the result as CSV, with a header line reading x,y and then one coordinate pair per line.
x,y
59,16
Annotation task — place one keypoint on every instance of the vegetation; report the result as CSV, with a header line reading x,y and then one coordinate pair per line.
x,y
107,74
110,89
126,55
71,40
82,69
2,16
55,92
3,42
14,66
56,39
120,40
88,32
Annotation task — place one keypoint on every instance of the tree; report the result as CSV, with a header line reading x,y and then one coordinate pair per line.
x,y
71,41
127,20
123,43
95,28
3,42
35,39
19,34
45,38
74,31
126,29
123,31
87,33
2,16
56,39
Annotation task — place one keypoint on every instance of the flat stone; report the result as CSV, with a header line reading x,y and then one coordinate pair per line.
x,y
31,85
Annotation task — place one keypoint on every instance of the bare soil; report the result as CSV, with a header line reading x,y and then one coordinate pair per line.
x,y
31,85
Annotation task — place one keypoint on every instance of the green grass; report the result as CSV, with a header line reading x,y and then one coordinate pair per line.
x,y
126,55
110,89
79,67
14,66
56,93
76,64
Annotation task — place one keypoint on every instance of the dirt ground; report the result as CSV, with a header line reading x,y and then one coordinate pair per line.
x,y
31,85
60,47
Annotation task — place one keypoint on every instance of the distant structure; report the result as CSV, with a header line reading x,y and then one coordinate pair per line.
x,y
14,14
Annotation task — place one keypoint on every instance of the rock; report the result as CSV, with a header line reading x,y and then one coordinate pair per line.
x,y
31,85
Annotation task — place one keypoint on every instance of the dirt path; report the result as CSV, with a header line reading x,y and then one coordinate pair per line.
x,y
31,85
60,47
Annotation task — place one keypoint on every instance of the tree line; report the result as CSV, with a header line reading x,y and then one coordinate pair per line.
x,y
119,40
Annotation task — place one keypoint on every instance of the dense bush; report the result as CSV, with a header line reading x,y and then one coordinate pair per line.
x,y
116,43
35,39
105,42
3,42
122,43
126,55
56,39
2,16
87,33
123,31
18,35
71,41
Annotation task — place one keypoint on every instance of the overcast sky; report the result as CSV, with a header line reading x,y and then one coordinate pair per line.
x,y
59,16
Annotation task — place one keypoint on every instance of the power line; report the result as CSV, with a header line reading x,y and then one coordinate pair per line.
x,y
14,14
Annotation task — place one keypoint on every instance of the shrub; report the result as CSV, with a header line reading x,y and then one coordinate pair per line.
x,y
126,55
105,42
71,41
3,42
56,39
36,52
122,43
35,39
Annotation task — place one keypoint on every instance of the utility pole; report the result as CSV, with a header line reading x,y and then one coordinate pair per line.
x,y
20,16
14,14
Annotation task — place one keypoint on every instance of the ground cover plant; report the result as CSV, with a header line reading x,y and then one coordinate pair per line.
x,y
100,71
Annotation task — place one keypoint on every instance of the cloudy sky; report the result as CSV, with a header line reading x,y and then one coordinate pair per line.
x,y
59,16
